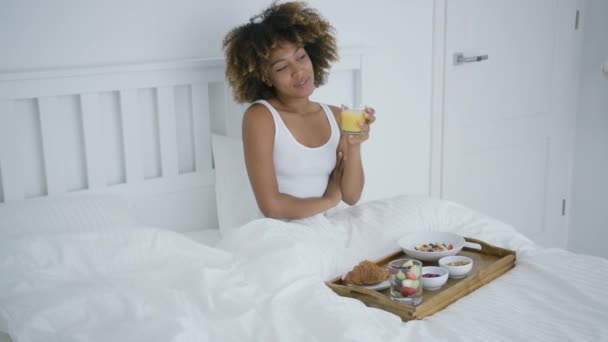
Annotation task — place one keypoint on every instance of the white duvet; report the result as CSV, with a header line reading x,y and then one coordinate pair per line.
x,y
265,282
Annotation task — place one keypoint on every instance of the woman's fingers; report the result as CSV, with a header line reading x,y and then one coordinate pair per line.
x,y
364,127
339,162
336,175
370,115
361,137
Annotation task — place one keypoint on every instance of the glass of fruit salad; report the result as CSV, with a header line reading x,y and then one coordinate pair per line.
x,y
404,276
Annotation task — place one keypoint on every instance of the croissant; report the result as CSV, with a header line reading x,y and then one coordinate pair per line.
x,y
366,273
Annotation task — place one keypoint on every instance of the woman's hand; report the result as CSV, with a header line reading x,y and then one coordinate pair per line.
x,y
370,117
333,191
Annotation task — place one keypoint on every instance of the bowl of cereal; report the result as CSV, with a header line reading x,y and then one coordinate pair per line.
x,y
459,266
432,246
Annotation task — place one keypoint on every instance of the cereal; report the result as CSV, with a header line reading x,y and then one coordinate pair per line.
x,y
434,247
458,263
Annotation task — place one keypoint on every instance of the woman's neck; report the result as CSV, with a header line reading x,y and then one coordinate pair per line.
x,y
294,105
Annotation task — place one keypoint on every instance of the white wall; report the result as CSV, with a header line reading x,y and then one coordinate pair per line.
x,y
589,220
395,34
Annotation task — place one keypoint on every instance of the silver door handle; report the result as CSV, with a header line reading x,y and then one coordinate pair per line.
x,y
459,58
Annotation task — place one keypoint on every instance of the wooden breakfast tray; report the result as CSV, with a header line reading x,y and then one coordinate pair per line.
x,y
488,264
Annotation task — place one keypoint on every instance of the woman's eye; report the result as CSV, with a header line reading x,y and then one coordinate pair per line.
x,y
282,68
302,57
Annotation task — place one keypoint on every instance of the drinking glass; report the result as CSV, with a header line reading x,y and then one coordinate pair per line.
x,y
350,118
404,275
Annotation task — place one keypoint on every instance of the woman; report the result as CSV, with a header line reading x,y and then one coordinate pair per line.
x,y
297,162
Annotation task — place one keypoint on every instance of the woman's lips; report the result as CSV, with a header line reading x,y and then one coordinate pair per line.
x,y
302,83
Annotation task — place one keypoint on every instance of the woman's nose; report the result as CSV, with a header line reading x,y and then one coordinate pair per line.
x,y
298,70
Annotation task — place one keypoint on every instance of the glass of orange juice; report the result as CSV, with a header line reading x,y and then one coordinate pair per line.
x,y
350,118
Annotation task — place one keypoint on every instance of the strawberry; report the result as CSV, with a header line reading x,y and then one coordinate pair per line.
x,y
408,291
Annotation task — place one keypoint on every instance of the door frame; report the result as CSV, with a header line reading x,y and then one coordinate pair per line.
x,y
437,98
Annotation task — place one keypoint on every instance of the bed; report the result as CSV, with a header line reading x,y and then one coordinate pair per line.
x,y
100,241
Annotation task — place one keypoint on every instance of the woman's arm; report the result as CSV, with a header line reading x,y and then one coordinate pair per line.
x,y
353,178
258,142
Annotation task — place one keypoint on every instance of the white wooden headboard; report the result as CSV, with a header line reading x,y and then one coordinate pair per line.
x,y
142,131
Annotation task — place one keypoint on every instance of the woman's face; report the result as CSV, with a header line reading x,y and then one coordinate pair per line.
x,y
291,72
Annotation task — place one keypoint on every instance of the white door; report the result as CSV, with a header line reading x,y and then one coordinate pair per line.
x,y
506,133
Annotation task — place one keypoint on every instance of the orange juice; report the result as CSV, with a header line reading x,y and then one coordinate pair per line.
x,y
350,119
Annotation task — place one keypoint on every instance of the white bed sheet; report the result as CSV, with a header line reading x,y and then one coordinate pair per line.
x,y
265,283
209,237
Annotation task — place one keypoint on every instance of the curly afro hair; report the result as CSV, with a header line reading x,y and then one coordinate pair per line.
x,y
248,47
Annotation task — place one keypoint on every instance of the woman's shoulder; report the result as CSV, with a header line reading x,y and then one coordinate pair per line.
x,y
257,116
258,110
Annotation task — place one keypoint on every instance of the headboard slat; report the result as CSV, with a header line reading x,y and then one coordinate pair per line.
x,y
202,126
167,131
53,143
130,123
11,163
94,152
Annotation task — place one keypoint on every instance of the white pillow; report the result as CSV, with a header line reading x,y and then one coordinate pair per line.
x,y
66,214
236,204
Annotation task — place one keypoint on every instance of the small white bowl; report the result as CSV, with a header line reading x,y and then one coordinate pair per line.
x,y
434,283
457,271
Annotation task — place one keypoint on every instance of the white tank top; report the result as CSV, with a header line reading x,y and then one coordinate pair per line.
x,y
302,171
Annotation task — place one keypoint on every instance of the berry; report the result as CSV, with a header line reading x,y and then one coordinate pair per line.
x,y
408,291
